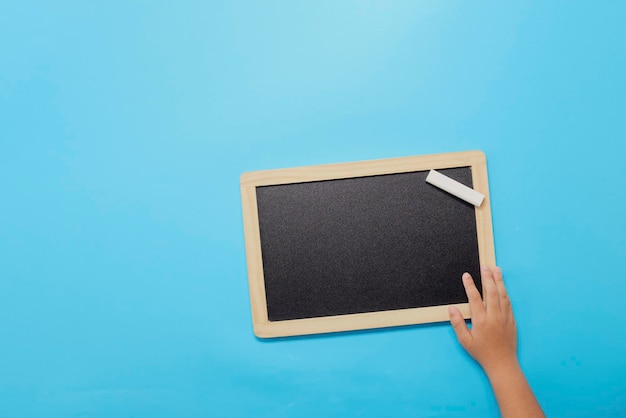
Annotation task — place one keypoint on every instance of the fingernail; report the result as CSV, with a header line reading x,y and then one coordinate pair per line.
x,y
486,267
466,276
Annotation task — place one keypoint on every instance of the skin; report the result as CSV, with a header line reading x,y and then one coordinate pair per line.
x,y
492,342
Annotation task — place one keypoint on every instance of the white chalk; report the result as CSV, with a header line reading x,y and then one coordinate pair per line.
x,y
455,188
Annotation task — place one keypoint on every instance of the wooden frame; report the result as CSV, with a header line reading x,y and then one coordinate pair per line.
x,y
264,328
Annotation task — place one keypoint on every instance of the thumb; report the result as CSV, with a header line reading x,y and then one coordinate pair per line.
x,y
460,327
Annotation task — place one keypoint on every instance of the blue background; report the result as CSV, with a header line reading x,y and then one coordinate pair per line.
x,y
124,128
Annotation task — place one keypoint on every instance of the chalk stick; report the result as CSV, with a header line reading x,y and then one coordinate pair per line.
x,y
455,188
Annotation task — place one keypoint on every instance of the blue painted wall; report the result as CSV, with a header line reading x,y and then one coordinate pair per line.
x,y
124,127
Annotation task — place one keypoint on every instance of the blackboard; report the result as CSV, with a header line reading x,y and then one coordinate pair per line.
x,y
362,245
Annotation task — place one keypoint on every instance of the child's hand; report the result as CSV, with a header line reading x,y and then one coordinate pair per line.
x,y
492,341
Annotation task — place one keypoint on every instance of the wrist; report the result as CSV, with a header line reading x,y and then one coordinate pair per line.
x,y
505,368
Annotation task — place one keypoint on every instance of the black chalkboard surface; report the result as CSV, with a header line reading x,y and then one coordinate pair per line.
x,y
333,248
365,244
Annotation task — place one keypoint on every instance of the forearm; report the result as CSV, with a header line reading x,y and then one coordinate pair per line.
x,y
513,393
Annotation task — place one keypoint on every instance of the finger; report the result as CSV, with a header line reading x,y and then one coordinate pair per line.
x,y
492,299
473,296
505,302
461,330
